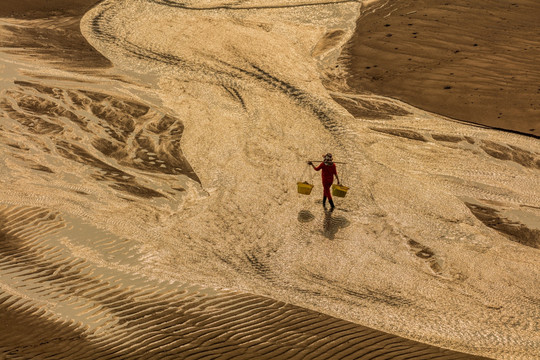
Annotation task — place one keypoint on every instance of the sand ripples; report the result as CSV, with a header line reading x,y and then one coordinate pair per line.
x,y
58,304
419,247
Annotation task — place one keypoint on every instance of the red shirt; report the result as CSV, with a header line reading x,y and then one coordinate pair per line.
x,y
328,172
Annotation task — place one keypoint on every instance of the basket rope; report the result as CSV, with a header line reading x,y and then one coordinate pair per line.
x,y
305,174
344,174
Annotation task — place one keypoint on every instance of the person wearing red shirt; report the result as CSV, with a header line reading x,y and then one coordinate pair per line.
x,y
328,171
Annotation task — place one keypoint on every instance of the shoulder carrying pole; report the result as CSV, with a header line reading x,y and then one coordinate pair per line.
x,y
335,162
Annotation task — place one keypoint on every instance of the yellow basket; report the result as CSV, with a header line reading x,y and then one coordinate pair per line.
x,y
304,188
339,190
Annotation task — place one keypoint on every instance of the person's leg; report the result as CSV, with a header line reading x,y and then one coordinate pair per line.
x,y
331,202
324,201
326,193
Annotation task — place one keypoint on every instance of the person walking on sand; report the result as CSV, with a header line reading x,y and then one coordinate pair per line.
x,y
328,171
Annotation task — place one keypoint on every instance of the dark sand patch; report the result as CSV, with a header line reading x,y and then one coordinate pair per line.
x,y
124,135
512,230
128,131
18,146
50,31
105,172
512,153
426,254
475,61
408,134
370,109
34,124
137,190
33,9
329,41
43,168
447,138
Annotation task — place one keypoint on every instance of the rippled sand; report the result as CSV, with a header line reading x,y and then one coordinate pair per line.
x,y
473,61
104,309
150,210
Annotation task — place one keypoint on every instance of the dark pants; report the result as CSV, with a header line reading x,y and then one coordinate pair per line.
x,y
327,194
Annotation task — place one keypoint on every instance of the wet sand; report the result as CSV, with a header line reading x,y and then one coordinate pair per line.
x,y
475,61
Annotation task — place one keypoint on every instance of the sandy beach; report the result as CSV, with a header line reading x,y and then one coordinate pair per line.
x,y
148,204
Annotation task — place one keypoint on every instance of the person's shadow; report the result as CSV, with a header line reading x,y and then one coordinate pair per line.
x,y
305,216
331,222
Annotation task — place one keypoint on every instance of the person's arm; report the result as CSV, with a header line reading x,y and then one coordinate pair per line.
x,y
313,166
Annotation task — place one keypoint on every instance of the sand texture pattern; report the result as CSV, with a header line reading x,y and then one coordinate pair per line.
x,y
473,61
104,311
149,205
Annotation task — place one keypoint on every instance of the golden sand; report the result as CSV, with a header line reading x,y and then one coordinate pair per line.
x,y
149,209
472,61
